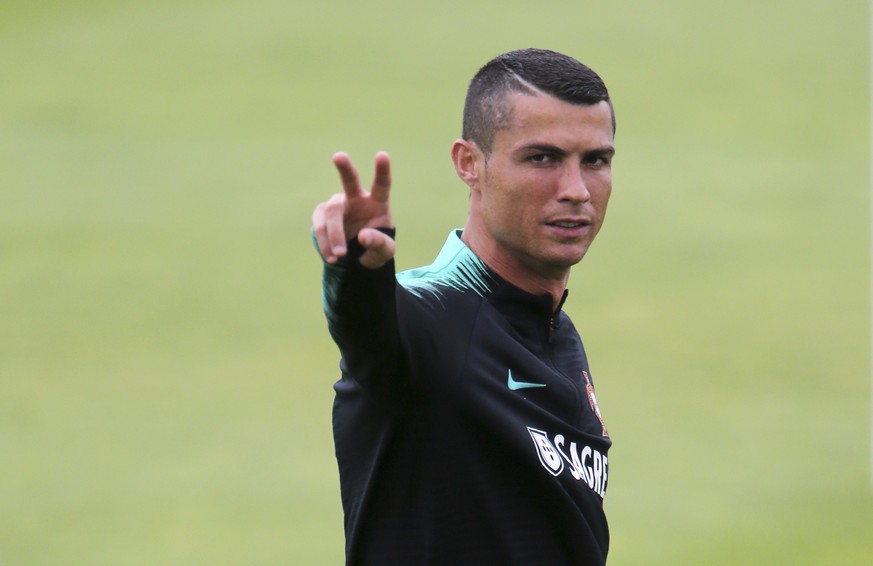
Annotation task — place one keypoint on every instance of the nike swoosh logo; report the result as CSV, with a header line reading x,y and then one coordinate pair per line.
x,y
516,385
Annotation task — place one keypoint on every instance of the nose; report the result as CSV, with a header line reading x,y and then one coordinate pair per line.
x,y
573,187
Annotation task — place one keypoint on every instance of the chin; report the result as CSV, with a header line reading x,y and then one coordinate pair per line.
x,y
560,263
569,258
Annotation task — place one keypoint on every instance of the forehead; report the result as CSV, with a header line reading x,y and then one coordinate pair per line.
x,y
546,119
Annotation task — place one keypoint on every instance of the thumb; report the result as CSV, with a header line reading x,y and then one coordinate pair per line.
x,y
379,248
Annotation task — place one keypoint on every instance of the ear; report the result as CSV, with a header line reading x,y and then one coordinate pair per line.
x,y
468,160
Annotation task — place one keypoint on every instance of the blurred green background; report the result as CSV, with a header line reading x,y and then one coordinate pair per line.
x,y
165,371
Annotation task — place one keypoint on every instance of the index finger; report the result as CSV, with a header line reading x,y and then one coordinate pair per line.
x,y
348,174
382,179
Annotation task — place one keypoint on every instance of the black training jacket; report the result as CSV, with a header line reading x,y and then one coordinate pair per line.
x,y
465,421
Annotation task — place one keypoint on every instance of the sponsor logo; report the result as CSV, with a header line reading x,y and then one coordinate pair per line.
x,y
516,385
546,451
584,463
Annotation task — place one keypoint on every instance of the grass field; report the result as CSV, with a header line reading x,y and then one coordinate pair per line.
x,y
165,373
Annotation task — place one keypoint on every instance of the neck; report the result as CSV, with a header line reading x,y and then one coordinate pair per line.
x,y
534,279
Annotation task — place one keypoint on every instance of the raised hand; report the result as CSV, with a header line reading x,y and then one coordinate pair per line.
x,y
355,212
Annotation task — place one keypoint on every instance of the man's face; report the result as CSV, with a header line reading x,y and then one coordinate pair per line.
x,y
544,189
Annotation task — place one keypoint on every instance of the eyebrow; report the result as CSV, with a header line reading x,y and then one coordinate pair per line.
x,y
605,151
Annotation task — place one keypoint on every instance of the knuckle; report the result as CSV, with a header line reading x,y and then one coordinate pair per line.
x,y
318,216
334,204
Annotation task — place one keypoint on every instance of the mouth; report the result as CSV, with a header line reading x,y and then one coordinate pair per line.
x,y
569,227
568,223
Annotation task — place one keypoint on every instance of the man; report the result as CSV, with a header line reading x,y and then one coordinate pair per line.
x,y
465,421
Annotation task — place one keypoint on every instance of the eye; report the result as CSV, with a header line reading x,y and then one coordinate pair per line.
x,y
546,158
540,158
596,160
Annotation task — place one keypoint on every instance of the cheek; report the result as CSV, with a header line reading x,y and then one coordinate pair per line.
x,y
503,211
602,197
601,192
501,198
516,202
519,209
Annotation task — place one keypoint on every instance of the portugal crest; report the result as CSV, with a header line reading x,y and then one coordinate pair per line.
x,y
592,401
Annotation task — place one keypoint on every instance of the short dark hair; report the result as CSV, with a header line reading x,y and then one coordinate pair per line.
x,y
528,71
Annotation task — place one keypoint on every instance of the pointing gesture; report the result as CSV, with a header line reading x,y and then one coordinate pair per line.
x,y
355,212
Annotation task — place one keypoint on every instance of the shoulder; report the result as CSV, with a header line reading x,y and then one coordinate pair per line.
x,y
456,271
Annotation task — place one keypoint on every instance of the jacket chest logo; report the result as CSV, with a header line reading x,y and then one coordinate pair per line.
x,y
592,401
